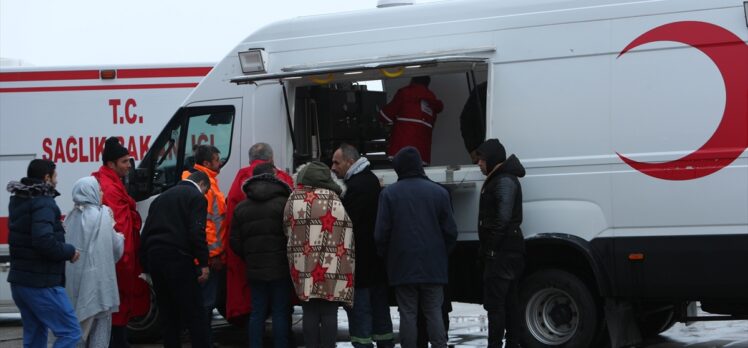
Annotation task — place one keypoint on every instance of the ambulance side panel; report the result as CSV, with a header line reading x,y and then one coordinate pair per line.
x,y
66,114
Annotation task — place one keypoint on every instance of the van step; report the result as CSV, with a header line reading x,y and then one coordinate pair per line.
x,y
717,318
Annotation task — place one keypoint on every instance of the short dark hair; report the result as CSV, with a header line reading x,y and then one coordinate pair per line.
x,y
39,168
203,153
260,151
421,80
199,177
349,152
264,168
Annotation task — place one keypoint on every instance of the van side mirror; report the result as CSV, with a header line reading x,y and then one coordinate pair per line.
x,y
220,118
138,182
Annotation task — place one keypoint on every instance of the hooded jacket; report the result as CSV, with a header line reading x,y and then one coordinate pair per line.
x,y
37,239
415,228
500,209
320,246
257,234
237,291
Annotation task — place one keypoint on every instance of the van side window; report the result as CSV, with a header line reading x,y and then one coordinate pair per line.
x,y
165,166
172,152
212,127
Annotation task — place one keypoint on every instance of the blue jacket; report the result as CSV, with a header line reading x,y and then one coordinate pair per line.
x,y
37,239
415,228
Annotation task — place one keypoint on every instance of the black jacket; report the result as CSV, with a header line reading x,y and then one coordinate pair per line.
x,y
360,202
500,211
415,228
176,220
257,233
37,238
500,214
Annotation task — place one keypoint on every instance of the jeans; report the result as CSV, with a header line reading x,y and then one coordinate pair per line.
x,y
423,334
45,309
210,291
273,294
429,297
369,318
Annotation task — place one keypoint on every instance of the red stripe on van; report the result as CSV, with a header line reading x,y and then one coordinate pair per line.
x,y
3,230
95,88
49,75
165,72
94,74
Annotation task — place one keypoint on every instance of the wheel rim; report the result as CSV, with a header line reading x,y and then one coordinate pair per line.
x,y
552,316
146,321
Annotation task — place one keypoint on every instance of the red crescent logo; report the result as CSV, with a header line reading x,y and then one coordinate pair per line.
x,y
730,54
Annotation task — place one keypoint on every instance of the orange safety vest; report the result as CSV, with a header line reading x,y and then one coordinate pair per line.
x,y
215,229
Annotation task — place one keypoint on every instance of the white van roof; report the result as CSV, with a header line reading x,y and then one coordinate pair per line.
x,y
453,12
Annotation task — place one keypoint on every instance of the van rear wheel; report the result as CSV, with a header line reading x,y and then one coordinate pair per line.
x,y
558,310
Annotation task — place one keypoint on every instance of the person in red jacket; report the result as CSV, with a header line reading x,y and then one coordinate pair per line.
x,y
134,295
412,114
237,289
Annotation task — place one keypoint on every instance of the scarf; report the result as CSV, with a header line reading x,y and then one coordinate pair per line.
x,y
357,167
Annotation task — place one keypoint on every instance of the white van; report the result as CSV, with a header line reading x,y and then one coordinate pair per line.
x,y
66,114
631,118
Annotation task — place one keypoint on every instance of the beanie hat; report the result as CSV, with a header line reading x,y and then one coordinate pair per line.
x,y
408,163
113,150
492,152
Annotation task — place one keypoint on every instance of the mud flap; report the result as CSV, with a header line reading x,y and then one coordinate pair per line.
x,y
622,326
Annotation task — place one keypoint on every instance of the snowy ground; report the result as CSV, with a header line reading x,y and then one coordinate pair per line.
x,y
467,329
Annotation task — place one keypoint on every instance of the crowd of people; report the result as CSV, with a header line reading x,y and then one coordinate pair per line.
x,y
324,238
88,301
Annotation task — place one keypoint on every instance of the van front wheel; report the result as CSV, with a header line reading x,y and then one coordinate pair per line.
x,y
148,327
558,310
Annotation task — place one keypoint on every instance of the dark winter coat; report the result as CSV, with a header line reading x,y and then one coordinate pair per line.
x,y
415,228
500,217
361,201
257,233
37,238
176,220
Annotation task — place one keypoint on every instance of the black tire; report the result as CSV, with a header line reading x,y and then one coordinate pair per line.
x,y
147,328
655,318
558,311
